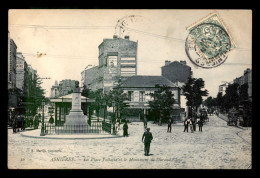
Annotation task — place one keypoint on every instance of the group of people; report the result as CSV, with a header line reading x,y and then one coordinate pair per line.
x,y
116,128
191,122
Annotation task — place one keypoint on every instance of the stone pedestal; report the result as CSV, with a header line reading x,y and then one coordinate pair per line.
x,y
76,121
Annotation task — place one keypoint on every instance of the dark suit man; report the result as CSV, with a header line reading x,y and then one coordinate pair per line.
x,y
146,139
169,126
125,128
200,123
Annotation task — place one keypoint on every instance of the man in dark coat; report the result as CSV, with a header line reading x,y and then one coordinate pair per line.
x,y
125,128
145,122
186,124
200,123
193,121
146,139
169,126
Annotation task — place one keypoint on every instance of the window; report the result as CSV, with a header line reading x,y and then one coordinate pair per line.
x,y
142,96
130,96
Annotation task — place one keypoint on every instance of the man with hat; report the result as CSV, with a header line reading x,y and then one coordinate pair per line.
x,y
146,139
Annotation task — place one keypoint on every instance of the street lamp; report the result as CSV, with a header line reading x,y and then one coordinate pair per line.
x,y
42,128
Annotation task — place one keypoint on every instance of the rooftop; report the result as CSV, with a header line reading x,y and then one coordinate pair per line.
x,y
147,81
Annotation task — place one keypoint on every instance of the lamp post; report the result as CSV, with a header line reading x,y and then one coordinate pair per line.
x,y
42,128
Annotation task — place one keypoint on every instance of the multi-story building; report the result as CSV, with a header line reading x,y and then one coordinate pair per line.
x,y
55,90
245,79
176,71
63,88
138,88
117,59
11,62
31,74
222,88
21,67
92,78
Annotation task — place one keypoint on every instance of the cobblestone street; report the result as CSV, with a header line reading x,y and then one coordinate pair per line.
x,y
218,147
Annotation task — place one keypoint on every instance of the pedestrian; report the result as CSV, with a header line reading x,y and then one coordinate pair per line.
x,y
200,123
145,122
186,125
191,127
125,128
169,126
146,139
193,121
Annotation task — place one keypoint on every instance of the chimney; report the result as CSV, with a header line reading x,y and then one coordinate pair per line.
x,y
167,62
183,62
127,37
114,36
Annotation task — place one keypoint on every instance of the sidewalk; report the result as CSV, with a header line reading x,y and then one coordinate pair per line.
x,y
36,134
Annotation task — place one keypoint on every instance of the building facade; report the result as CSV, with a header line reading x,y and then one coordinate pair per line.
x,y
63,88
176,71
11,62
117,59
92,78
138,89
222,88
55,90
21,67
245,79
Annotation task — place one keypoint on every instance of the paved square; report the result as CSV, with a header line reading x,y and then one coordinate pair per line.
x,y
218,147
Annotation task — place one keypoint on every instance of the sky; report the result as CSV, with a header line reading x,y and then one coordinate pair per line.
x,y
70,40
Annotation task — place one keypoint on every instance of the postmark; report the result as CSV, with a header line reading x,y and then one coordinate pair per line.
x,y
208,42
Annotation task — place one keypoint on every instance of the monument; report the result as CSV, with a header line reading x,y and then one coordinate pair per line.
x,y
76,121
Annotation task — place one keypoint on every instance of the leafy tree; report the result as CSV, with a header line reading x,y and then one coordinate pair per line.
x,y
219,100
85,92
199,84
231,98
193,91
33,94
210,102
243,92
118,97
98,96
162,103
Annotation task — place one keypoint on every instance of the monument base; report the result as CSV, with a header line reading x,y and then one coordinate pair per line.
x,y
76,123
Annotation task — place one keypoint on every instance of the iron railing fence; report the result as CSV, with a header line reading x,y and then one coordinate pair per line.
x,y
95,127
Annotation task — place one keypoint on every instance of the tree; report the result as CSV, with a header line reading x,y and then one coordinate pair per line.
x,y
210,102
243,92
199,84
162,103
33,94
231,98
117,96
85,92
193,91
219,100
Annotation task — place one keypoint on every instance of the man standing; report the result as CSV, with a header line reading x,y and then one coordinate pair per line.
x,y
193,121
169,126
125,128
145,122
200,123
146,139
186,124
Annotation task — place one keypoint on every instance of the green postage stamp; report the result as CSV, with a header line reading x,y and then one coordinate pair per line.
x,y
208,42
